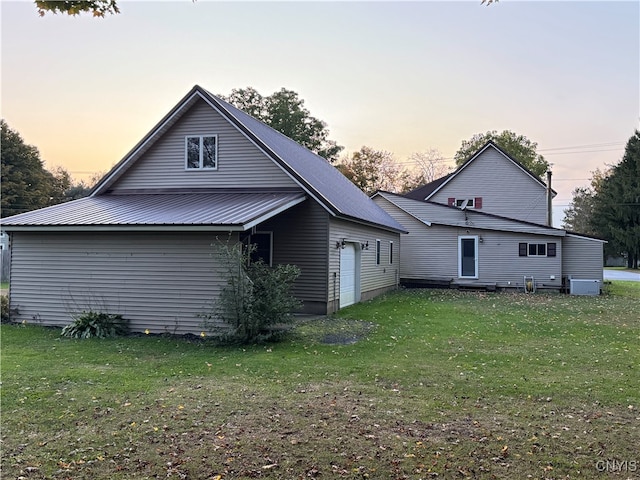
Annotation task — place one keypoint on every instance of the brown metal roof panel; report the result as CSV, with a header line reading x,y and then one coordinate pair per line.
x,y
159,209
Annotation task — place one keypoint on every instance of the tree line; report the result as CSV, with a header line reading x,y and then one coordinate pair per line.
x,y
26,183
609,207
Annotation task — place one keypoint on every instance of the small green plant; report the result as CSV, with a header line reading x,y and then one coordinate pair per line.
x,y
4,315
90,324
257,300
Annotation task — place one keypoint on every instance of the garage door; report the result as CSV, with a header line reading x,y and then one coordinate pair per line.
x,y
347,275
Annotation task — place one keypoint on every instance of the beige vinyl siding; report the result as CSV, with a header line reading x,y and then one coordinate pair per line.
x,y
583,258
300,237
240,162
160,281
505,189
374,278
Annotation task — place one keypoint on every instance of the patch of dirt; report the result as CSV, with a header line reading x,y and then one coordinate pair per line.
x,y
334,331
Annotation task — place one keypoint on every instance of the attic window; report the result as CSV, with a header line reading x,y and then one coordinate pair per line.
x,y
201,152
475,202
466,202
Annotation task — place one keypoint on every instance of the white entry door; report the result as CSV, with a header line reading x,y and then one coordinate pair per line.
x,y
348,275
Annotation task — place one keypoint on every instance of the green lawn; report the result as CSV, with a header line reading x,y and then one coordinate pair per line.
x,y
462,385
4,285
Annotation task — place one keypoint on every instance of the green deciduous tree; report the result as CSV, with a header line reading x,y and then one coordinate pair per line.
x,y
616,212
372,170
285,112
26,184
98,8
518,146
369,169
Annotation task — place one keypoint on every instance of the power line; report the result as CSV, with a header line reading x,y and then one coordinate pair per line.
x,y
591,145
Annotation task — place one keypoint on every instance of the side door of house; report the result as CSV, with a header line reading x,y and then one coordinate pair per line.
x,y
468,256
348,272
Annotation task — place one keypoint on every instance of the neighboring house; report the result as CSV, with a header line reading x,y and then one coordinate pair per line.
x,y
484,225
143,243
491,181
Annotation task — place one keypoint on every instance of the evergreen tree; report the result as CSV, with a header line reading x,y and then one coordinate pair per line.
x,y
616,213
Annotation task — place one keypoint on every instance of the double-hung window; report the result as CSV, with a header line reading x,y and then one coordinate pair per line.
x,y
201,152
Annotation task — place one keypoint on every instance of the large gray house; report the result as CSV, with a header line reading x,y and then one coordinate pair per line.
x,y
141,244
487,224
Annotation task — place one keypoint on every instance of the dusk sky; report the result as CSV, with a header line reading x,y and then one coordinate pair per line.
x,y
401,77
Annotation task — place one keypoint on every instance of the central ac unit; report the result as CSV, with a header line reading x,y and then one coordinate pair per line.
x,y
584,287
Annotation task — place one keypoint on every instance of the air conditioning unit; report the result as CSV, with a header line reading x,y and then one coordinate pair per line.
x,y
584,287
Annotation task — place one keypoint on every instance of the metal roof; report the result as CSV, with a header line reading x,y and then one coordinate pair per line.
x,y
431,213
314,174
209,211
337,192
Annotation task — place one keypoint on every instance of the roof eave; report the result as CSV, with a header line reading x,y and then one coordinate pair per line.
x,y
126,228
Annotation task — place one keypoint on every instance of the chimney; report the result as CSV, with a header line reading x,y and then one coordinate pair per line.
x,y
549,198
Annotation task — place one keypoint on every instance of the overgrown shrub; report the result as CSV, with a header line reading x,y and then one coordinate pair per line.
x,y
90,324
4,314
257,300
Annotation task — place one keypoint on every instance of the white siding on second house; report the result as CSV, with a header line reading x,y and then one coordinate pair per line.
x,y
583,258
505,189
160,281
431,253
240,162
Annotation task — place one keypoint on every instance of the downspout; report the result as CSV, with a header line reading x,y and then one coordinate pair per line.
x,y
549,199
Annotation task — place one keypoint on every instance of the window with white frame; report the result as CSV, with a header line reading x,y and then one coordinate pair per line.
x,y
201,152
390,253
377,252
472,202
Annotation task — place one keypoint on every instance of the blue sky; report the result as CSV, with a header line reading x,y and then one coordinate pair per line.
x,y
402,77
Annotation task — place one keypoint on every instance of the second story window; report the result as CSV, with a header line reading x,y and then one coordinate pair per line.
x,y
201,152
475,202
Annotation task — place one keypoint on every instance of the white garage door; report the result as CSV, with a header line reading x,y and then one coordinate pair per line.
x,y
347,275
